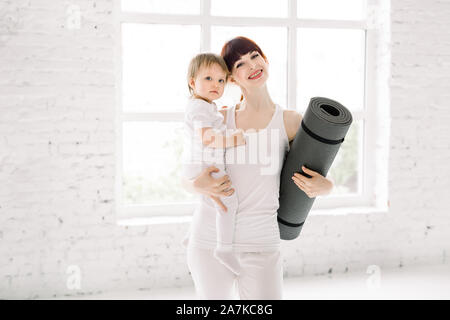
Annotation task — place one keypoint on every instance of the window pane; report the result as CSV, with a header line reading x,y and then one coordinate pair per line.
x,y
155,63
332,9
273,42
249,8
162,6
331,64
347,166
152,163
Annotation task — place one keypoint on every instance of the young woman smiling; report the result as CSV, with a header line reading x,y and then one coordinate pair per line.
x,y
257,239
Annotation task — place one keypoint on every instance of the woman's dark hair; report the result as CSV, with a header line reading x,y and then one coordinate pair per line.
x,y
237,47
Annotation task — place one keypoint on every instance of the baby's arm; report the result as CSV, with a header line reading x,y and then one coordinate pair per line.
x,y
214,139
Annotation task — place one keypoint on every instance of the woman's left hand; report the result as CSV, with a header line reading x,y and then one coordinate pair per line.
x,y
315,186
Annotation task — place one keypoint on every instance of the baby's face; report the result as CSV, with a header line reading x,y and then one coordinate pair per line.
x,y
209,82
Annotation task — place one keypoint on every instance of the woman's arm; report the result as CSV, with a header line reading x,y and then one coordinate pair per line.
x,y
317,185
292,121
205,184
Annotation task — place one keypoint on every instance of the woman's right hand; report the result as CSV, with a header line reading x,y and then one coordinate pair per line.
x,y
215,188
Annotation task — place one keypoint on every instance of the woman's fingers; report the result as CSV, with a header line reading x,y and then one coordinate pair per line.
x,y
222,187
225,186
218,186
205,183
224,192
223,179
219,203
212,169
222,184
298,180
228,192
303,179
301,185
225,183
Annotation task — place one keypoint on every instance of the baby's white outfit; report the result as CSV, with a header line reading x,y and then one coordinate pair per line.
x,y
196,157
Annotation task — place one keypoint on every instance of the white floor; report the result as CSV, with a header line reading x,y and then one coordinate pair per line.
x,y
424,282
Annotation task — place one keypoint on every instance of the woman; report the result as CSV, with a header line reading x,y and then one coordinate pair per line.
x,y
257,239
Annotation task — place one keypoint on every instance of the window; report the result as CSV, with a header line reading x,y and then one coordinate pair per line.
x,y
315,48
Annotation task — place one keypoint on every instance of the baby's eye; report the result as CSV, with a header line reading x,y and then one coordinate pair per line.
x,y
221,81
208,78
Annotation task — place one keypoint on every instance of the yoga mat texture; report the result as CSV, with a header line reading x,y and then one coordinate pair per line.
x,y
322,131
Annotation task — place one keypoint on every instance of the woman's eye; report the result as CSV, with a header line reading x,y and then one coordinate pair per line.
x,y
254,56
239,64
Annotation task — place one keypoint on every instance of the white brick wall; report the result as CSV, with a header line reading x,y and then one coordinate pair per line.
x,y
57,159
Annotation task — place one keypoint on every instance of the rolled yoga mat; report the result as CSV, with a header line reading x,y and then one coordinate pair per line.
x,y
322,131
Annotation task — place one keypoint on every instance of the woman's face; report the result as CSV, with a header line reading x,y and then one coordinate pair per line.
x,y
251,70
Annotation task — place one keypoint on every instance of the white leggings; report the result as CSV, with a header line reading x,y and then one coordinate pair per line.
x,y
261,276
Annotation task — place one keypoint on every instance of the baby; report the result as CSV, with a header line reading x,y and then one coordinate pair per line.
x,y
207,77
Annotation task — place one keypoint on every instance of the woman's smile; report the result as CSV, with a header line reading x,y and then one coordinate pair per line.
x,y
256,75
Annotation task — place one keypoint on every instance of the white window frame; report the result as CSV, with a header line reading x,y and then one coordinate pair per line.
x,y
206,21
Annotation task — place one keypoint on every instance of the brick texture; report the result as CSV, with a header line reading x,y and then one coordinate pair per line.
x,y
58,231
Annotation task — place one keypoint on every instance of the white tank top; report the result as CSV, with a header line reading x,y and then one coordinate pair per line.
x,y
254,170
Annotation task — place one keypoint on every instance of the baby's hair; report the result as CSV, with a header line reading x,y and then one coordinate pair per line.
x,y
205,60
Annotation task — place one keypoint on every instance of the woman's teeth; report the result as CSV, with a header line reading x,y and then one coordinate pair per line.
x,y
255,74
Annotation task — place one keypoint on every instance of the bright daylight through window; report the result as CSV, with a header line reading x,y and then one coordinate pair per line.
x,y
317,50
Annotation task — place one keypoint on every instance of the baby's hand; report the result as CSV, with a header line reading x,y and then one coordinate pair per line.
x,y
240,138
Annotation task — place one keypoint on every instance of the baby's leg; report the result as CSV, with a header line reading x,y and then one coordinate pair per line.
x,y
224,249
225,226
231,202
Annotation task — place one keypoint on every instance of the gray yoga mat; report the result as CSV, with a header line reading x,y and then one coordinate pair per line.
x,y
322,131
